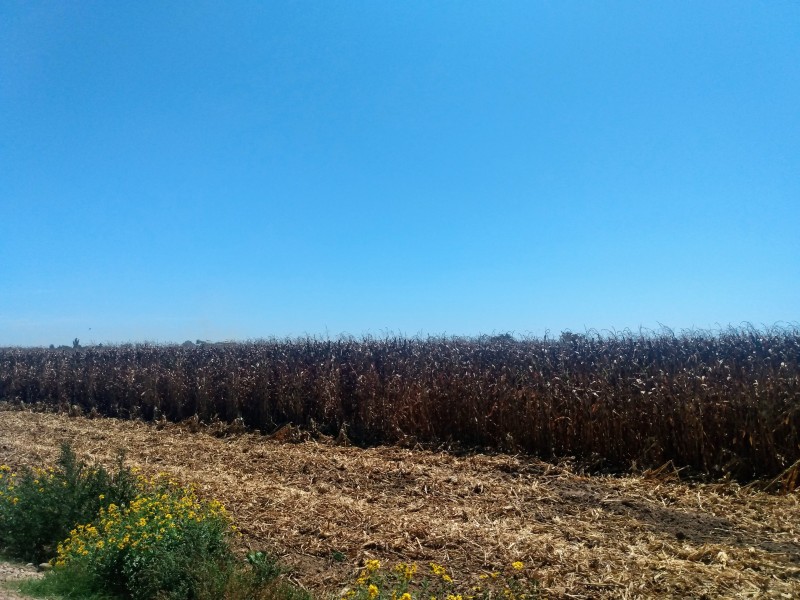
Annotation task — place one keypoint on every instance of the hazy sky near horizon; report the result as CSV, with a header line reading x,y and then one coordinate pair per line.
x,y
231,170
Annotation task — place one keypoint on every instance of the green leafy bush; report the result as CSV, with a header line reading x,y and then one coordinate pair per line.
x,y
166,542
38,507
122,536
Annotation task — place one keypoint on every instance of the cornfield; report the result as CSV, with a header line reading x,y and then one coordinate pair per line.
x,y
720,403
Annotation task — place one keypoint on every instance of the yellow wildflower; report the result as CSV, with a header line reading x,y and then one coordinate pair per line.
x,y
405,570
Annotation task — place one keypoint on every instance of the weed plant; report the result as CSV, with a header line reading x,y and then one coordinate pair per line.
x,y
38,507
165,541
121,535
405,582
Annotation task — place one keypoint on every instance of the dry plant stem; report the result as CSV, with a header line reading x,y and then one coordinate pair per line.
x,y
723,403
585,537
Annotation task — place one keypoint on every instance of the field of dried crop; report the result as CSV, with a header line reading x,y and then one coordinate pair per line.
x,y
726,403
327,507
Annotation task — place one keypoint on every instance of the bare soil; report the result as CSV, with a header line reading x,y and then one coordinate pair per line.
x,y
10,573
325,508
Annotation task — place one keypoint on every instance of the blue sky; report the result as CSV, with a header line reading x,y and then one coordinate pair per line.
x,y
235,170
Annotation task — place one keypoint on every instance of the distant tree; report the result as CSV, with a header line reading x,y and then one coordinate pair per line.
x,y
503,337
569,337
76,343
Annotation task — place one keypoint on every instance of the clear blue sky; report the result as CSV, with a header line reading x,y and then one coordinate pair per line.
x,y
232,170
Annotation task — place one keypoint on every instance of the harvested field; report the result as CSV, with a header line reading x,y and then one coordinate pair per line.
x,y
584,536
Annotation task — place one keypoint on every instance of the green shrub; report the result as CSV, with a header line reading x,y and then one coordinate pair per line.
x,y
264,567
165,543
38,507
119,535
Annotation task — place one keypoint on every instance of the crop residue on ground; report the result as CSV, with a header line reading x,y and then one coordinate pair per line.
x,y
585,536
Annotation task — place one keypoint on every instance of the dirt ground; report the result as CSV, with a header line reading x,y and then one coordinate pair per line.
x,y
325,508
11,572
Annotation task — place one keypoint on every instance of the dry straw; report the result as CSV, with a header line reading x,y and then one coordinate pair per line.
x,y
316,503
